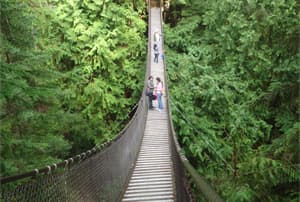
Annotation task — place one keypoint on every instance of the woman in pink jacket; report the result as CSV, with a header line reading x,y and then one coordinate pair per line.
x,y
159,92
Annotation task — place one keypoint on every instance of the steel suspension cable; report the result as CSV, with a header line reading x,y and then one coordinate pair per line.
x,y
195,129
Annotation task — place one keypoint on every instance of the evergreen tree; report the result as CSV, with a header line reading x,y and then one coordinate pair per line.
x,y
30,111
101,52
70,73
235,62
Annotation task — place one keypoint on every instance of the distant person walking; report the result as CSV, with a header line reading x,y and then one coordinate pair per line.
x,y
149,91
156,53
156,37
159,92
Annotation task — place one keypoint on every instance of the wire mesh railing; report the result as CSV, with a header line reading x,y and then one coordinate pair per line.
x,y
91,176
100,174
185,173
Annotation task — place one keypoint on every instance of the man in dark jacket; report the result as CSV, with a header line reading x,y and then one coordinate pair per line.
x,y
150,88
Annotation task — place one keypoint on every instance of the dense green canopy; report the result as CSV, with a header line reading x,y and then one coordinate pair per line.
x,y
70,72
234,81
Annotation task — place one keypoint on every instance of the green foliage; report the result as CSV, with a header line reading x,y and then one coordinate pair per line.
x,y
30,113
234,79
70,73
103,66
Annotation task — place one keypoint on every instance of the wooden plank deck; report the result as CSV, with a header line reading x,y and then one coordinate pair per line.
x,y
153,178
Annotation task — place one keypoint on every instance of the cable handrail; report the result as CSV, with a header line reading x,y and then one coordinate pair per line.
x,y
100,173
67,163
197,131
209,193
70,161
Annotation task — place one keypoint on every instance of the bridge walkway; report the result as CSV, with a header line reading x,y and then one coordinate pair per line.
x,y
153,177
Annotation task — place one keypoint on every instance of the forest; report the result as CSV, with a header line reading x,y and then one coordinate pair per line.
x,y
72,70
233,75
70,75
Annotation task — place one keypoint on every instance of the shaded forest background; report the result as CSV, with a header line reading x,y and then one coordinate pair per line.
x,y
70,73
233,70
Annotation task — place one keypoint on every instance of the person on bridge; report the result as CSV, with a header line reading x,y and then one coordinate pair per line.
x,y
156,37
156,53
149,92
159,92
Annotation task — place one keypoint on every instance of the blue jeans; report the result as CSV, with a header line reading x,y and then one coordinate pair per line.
x,y
159,100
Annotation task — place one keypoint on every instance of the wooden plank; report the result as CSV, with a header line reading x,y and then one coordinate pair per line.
x,y
153,177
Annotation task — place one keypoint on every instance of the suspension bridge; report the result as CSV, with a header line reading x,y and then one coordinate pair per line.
x,y
143,163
